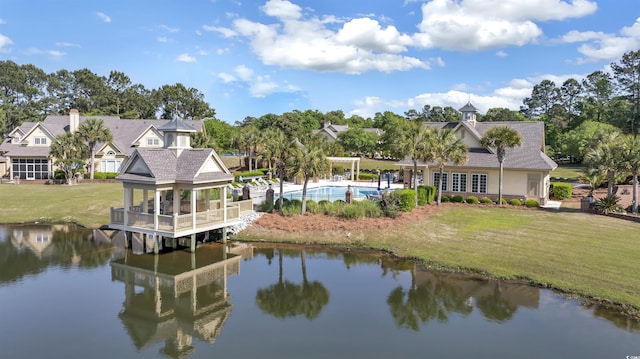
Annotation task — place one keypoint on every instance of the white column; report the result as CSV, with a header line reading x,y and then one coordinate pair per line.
x,y
352,168
193,208
176,200
156,208
145,199
223,201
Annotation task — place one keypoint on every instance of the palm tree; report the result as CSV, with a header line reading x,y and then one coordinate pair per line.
x,y
69,152
412,141
277,148
605,157
501,138
93,131
308,161
442,147
631,162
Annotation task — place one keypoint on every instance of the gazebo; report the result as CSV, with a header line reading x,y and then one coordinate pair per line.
x,y
173,193
355,162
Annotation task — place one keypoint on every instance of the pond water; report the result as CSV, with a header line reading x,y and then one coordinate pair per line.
x,y
67,293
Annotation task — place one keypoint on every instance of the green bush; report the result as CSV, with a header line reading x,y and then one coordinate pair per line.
x,y
266,207
445,198
608,205
389,204
515,202
313,206
59,175
291,209
486,200
457,198
531,203
561,190
368,176
100,175
406,199
426,194
371,208
504,201
472,200
353,211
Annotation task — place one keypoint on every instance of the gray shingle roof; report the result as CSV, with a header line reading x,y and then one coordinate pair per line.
x,y
124,132
529,156
165,167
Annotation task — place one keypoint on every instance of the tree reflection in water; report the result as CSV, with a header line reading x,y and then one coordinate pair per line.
x,y
287,299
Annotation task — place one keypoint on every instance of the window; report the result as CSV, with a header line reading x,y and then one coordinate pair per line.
x,y
111,153
42,238
40,141
110,165
458,182
30,168
153,142
479,183
16,139
436,180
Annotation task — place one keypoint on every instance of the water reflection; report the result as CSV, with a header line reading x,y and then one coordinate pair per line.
x,y
28,249
287,299
177,296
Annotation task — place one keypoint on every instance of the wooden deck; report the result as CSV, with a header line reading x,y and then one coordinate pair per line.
x,y
177,225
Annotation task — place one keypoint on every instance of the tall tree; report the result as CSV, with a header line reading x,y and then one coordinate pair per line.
x,y
598,88
630,147
443,147
412,141
501,138
278,148
94,131
187,103
627,74
605,156
308,161
543,96
69,152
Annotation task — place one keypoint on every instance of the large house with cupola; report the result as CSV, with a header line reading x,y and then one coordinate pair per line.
x,y
526,168
25,151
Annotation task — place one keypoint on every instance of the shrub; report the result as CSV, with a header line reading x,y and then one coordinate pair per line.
x,y
472,200
406,199
561,190
504,201
59,175
531,203
371,209
515,202
389,204
291,209
368,176
486,200
353,211
445,198
608,204
313,206
266,207
99,175
457,199
426,194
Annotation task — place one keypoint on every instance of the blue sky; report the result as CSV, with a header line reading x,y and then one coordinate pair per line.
x,y
250,58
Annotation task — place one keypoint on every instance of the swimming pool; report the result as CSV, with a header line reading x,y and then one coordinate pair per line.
x,y
331,193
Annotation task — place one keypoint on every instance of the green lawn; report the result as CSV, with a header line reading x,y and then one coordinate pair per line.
x,y
585,254
86,204
569,172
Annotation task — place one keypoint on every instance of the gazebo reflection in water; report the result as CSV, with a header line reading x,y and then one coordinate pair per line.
x,y
177,296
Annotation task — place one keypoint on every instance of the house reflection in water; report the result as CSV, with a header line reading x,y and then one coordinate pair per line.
x,y
177,296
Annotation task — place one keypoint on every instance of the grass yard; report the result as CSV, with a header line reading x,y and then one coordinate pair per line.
x,y
584,254
86,204
568,172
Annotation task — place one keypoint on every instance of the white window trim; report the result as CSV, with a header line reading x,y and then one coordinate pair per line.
x,y
462,187
445,183
486,182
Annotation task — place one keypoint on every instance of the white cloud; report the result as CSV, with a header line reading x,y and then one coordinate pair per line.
x,y
104,17
602,46
226,32
262,87
2,22
243,72
66,44
4,41
226,78
309,44
163,39
185,58
501,54
170,29
52,53
484,24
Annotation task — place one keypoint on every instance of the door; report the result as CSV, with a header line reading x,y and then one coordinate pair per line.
x,y
31,171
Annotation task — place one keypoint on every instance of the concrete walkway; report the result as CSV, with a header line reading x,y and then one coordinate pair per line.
x,y
552,205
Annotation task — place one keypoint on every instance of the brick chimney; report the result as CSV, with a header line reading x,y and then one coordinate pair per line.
x,y
74,120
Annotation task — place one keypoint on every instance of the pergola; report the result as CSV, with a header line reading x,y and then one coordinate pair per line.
x,y
355,162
